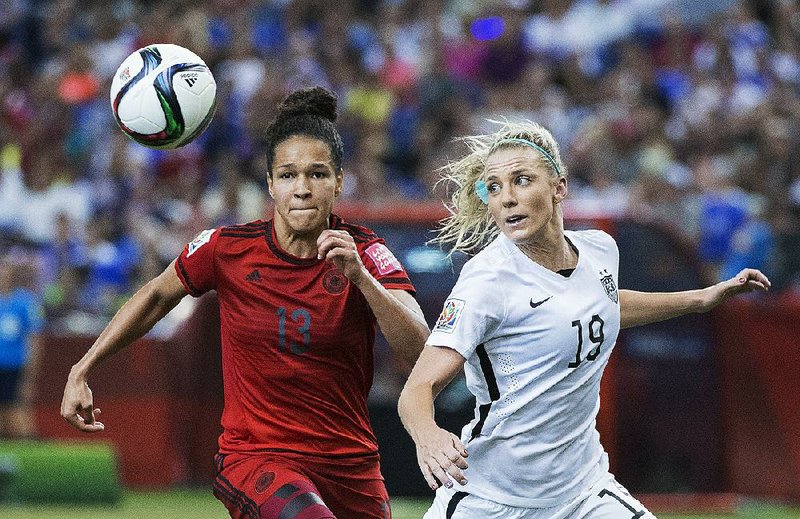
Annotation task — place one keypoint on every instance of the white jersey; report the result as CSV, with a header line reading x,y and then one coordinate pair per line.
x,y
536,343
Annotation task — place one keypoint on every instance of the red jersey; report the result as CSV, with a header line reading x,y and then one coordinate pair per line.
x,y
297,338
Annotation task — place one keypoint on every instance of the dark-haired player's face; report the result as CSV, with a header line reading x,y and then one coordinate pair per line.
x,y
304,184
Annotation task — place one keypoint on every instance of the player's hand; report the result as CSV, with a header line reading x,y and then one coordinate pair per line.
x,y
77,406
748,280
340,248
441,457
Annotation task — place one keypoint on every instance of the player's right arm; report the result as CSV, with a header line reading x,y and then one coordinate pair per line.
x,y
136,317
440,454
474,309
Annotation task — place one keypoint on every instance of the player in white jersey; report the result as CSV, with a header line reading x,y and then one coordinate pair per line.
x,y
532,319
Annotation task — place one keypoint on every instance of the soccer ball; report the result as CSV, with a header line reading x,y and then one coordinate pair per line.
x,y
163,96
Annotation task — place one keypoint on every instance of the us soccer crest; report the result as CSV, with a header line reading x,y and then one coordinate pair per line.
x,y
610,287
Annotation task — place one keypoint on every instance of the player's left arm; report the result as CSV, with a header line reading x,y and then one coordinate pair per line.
x,y
30,373
398,314
638,308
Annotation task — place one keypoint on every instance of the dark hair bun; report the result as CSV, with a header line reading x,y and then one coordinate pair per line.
x,y
317,101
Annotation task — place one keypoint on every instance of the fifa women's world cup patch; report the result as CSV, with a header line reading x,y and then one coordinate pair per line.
x,y
200,240
449,317
383,259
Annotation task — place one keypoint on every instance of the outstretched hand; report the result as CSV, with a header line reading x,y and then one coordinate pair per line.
x,y
77,407
748,280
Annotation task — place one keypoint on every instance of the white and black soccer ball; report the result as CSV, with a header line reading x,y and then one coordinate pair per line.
x,y
163,96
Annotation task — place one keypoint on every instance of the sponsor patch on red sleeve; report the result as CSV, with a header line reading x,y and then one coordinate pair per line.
x,y
200,240
383,259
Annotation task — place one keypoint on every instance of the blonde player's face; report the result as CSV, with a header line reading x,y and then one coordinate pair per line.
x,y
523,195
304,184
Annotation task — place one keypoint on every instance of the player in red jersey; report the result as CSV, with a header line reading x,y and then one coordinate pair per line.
x,y
299,296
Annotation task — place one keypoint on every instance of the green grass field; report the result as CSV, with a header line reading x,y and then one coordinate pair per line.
x,y
200,504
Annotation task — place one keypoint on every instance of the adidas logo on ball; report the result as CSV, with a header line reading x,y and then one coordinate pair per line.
x,y
190,79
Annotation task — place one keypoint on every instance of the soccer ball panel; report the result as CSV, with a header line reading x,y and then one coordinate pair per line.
x,y
141,103
195,90
144,126
126,71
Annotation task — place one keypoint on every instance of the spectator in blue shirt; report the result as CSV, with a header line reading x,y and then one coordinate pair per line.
x,y
20,344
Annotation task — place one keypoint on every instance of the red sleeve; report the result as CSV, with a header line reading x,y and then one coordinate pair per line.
x,y
195,265
384,266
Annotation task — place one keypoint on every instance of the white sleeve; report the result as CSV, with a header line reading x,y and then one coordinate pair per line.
x,y
472,312
609,246
615,255
603,242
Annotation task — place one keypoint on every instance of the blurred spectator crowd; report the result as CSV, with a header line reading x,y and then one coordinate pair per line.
x,y
681,112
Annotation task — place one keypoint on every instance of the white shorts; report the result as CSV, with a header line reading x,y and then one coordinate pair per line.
x,y
606,499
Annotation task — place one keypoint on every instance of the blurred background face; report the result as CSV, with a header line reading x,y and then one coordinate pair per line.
x,y
6,277
304,184
522,192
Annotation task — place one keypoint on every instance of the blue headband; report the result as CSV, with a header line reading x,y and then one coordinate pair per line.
x,y
482,191
533,145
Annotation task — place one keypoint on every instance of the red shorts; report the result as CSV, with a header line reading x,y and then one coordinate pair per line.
x,y
297,486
